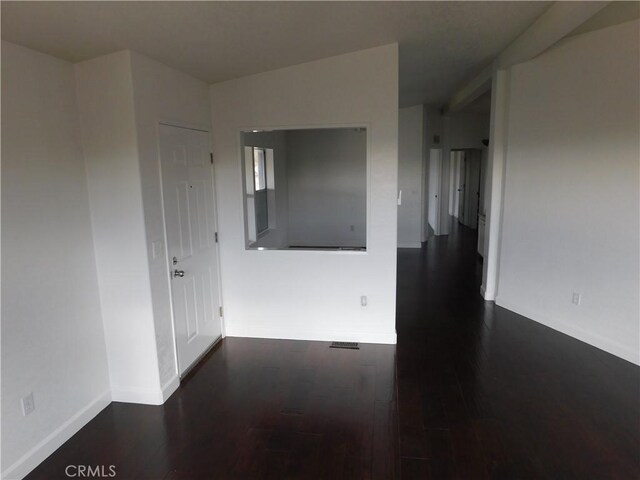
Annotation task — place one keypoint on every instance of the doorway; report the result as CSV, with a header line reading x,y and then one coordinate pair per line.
x,y
190,223
435,172
467,186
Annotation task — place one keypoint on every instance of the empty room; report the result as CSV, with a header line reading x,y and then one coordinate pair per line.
x,y
320,240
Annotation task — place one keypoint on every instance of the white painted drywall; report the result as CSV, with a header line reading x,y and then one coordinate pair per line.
x,y
571,198
52,336
410,160
327,183
303,294
277,236
105,100
466,129
494,182
162,94
123,97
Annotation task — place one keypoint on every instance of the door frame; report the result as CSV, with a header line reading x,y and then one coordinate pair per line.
x,y
438,194
205,129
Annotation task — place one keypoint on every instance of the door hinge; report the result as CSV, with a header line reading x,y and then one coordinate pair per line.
x,y
221,312
216,237
211,157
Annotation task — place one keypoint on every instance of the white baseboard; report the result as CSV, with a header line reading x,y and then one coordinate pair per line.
x,y
488,294
595,340
360,337
170,387
145,396
54,440
132,395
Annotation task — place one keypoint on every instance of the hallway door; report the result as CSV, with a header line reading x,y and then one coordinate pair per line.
x,y
461,186
189,208
472,188
435,169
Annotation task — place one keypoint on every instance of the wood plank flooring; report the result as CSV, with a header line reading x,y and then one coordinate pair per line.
x,y
471,391
486,393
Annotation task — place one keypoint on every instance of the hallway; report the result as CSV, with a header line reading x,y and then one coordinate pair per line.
x,y
487,393
478,392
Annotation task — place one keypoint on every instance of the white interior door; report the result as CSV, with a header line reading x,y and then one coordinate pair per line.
x,y
435,167
187,182
471,188
462,172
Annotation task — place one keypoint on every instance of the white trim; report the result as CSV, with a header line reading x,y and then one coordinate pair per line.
x,y
170,387
307,126
314,336
166,245
36,455
137,395
496,171
593,339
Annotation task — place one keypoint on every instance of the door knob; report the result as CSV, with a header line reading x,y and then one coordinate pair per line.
x,y
178,273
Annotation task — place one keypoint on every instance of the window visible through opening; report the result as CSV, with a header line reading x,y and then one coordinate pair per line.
x,y
320,202
260,186
259,169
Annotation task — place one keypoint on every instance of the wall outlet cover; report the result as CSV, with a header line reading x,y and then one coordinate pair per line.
x,y
576,298
28,404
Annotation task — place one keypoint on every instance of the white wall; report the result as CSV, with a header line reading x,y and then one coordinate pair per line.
x,y
162,94
302,294
494,182
571,206
327,182
122,99
466,129
105,99
410,164
52,336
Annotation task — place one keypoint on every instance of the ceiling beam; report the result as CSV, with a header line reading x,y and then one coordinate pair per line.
x,y
553,25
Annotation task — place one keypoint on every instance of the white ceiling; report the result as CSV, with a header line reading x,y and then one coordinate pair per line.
x,y
442,44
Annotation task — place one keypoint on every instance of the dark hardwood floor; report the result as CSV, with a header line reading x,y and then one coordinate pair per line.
x,y
471,391
487,393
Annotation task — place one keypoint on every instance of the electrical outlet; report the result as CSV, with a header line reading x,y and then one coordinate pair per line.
x,y
363,300
28,405
576,298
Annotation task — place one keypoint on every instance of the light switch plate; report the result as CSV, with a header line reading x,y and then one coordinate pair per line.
x,y
156,249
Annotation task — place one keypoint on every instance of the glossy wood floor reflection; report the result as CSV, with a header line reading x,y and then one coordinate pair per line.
x,y
471,392
486,393
254,409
